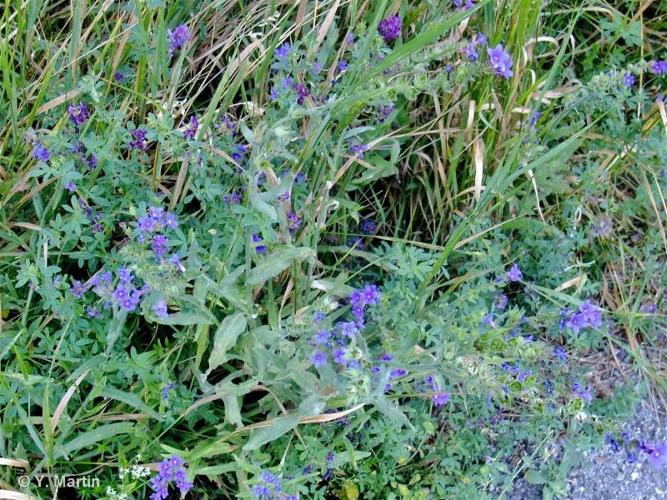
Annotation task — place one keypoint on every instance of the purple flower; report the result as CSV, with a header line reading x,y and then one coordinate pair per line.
x,y
488,320
293,222
322,337
383,112
40,153
583,393
501,301
124,275
342,65
386,357
258,248
398,372
589,315
609,439
470,52
71,187
560,354
270,478
649,308
659,67
349,39
657,454
628,80
261,491
319,358
368,226
78,113
138,141
177,38
160,245
301,92
357,149
171,469
467,5
92,161
602,226
93,312
191,130
160,309
169,220
348,328
390,28
440,398
228,124
146,224
239,152
515,274
166,389
339,356
284,51
77,289
500,61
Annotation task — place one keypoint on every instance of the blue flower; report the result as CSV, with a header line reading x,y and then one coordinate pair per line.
x,y
160,309
171,470
629,80
515,274
284,51
560,354
440,398
319,358
390,28
40,153
177,38
500,61
78,113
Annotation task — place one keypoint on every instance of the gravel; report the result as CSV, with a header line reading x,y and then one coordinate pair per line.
x,y
608,475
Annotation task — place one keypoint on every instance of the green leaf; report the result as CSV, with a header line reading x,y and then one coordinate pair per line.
x,y
130,399
278,427
185,318
276,263
225,338
535,477
89,438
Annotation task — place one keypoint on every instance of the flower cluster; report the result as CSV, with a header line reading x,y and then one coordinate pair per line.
x,y
467,5
156,220
628,80
659,67
582,392
336,341
177,38
368,226
514,274
191,128
359,299
139,141
40,153
438,397
390,28
78,114
656,453
171,470
470,50
270,487
500,61
588,315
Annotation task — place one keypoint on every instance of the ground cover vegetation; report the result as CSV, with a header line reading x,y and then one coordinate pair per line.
x,y
328,249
